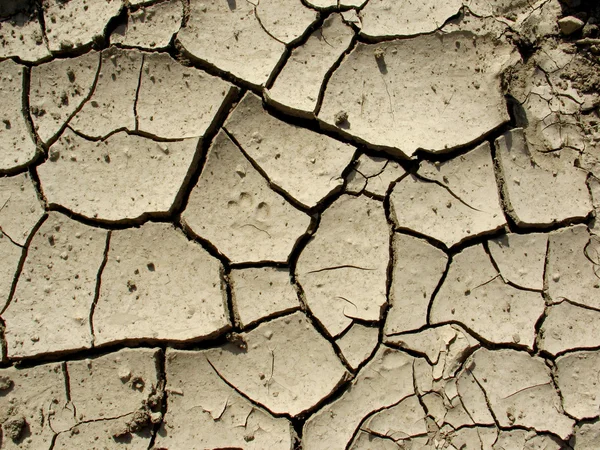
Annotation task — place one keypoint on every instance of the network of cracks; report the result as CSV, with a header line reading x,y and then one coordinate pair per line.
x,y
317,224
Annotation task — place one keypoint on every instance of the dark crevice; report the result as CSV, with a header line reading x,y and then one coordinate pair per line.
x,y
330,72
486,343
290,47
205,244
137,94
226,288
485,396
24,253
286,195
67,378
37,184
39,153
438,288
139,133
161,362
424,179
118,224
195,169
98,286
270,318
486,247
89,95
367,39
3,346
262,26
180,54
114,22
359,428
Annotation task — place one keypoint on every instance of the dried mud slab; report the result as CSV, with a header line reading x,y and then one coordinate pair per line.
x,y
21,36
111,106
33,406
577,379
519,390
475,295
386,18
527,440
20,208
205,412
343,268
574,266
587,436
284,20
150,27
53,297
57,90
384,381
569,327
562,192
116,179
233,207
358,344
521,258
101,435
16,142
229,36
306,165
418,269
261,293
77,23
390,98
158,285
285,365
450,201
113,385
178,102
298,85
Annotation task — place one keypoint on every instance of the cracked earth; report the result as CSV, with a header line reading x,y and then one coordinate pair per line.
x,y
300,224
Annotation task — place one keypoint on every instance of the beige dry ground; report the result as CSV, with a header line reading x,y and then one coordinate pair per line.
x,y
300,224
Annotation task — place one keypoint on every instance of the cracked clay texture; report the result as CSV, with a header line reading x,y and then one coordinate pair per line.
x,y
299,224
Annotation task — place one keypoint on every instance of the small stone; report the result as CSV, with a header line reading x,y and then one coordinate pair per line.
x,y
124,374
570,24
341,118
13,428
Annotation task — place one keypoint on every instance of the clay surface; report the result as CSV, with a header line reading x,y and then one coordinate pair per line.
x,y
20,207
344,257
234,35
154,273
58,89
150,27
174,101
450,202
50,309
120,167
305,165
77,23
438,98
491,308
18,147
205,412
260,293
310,63
299,224
292,367
233,207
